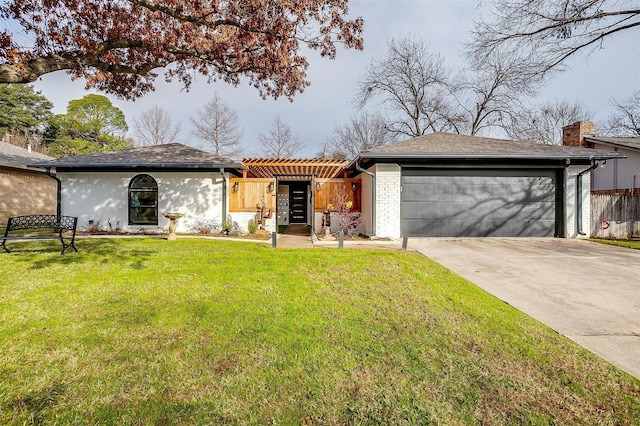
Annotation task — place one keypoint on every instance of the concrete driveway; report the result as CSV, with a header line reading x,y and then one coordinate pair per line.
x,y
586,291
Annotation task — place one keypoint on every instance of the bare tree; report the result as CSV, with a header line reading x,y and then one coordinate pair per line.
x,y
488,94
364,131
217,124
543,123
154,127
414,87
280,142
422,95
550,31
626,119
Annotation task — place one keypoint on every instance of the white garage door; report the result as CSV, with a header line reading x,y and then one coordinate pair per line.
x,y
478,203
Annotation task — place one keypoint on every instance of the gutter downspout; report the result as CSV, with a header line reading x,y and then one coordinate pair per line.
x,y
373,194
58,191
594,165
224,195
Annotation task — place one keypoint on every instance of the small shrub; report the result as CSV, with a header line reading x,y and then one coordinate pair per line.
x,y
227,225
252,226
205,225
341,204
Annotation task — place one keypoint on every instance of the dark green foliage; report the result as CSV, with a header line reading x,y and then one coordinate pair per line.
x,y
22,108
91,124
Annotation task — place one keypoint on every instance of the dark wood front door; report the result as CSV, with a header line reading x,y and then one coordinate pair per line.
x,y
298,203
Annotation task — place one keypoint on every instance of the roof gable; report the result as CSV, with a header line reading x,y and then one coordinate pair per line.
x,y
15,156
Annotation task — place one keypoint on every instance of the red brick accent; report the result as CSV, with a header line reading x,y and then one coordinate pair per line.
x,y
573,134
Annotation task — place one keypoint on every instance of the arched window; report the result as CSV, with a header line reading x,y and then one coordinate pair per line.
x,y
143,201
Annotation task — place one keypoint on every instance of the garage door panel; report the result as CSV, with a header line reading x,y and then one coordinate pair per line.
x,y
465,210
479,203
513,190
481,228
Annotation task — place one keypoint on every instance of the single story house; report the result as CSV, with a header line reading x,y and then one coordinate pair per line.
x,y
131,189
24,190
615,176
442,185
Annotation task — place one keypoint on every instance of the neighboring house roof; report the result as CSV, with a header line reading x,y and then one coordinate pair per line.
x,y
18,157
450,146
169,156
321,168
630,143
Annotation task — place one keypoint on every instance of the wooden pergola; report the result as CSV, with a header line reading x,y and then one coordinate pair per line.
x,y
262,177
320,168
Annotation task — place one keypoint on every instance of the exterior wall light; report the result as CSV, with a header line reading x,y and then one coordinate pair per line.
x,y
236,186
353,186
317,186
271,186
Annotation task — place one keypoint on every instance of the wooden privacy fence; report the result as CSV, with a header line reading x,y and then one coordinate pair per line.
x,y
332,189
246,195
615,216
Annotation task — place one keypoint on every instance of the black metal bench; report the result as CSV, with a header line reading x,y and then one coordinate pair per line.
x,y
57,224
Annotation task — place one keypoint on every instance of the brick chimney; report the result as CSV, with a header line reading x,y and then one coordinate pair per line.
x,y
573,134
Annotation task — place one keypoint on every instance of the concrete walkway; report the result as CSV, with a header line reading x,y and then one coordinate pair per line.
x,y
293,241
297,236
586,291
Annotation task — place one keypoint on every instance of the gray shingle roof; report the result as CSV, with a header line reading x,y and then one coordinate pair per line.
x,y
633,143
15,156
174,155
450,145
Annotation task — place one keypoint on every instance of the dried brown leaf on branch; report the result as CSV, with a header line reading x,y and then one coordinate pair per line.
x,y
117,46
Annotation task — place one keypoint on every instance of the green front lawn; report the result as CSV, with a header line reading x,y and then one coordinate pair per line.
x,y
146,331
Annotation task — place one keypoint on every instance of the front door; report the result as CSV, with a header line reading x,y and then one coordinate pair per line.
x,y
298,202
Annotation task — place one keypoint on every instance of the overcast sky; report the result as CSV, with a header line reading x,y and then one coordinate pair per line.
x,y
612,71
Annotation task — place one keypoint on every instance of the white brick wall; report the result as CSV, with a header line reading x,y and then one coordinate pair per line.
x,y
570,202
387,199
104,197
243,218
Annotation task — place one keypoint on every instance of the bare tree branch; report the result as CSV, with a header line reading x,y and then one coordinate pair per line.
x,y
625,121
363,132
549,32
543,123
412,84
421,95
217,124
280,142
154,127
